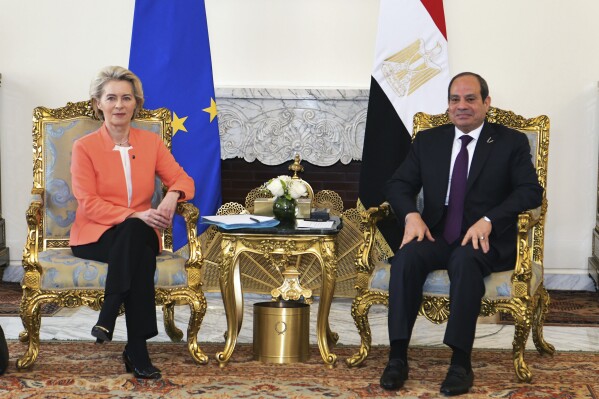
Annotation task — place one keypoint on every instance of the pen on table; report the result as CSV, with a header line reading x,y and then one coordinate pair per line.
x,y
254,220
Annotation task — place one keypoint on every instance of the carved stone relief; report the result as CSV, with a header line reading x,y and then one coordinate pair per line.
x,y
272,125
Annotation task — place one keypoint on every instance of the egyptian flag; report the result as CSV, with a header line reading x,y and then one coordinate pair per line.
x,y
410,74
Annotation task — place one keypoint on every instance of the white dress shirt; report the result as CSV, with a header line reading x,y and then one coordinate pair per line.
x,y
127,168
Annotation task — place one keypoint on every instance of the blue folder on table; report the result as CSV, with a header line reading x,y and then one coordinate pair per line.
x,y
230,222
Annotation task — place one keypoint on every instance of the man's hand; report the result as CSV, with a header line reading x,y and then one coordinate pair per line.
x,y
415,228
479,233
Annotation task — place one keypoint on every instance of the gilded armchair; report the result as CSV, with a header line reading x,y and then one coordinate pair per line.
x,y
519,292
53,274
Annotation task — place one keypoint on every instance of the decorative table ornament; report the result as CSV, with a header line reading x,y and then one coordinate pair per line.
x,y
284,209
286,191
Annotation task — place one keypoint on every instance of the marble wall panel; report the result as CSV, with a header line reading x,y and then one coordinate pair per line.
x,y
323,126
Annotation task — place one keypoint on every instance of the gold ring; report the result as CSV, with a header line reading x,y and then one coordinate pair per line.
x,y
481,238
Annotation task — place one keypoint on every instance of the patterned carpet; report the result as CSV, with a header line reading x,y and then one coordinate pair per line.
x,y
84,370
574,308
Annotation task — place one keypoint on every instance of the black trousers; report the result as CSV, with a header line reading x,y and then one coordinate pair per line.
x,y
130,249
466,268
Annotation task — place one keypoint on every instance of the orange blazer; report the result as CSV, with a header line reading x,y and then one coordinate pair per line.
x,y
99,184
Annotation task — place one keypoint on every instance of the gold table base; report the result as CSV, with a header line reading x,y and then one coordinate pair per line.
x,y
323,246
291,289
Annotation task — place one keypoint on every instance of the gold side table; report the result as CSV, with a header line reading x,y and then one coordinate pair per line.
x,y
277,245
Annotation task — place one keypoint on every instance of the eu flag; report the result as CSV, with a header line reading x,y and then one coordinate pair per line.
x,y
170,52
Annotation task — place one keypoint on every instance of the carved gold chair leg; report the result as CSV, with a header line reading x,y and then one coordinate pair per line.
x,y
360,309
31,318
543,347
174,333
360,314
197,306
522,324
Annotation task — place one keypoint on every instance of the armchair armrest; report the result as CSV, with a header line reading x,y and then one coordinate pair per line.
x,y
194,263
377,213
370,217
33,242
528,219
522,275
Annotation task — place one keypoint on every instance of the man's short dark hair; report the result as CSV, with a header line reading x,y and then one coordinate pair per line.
x,y
484,88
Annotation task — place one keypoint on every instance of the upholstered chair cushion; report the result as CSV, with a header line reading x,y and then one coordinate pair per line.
x,y
497,285
62,270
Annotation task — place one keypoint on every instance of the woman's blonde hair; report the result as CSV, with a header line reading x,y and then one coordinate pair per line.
x,y
111,73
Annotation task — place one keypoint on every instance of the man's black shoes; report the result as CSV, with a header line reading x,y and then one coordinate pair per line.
x,y
3,353
457,381
394,375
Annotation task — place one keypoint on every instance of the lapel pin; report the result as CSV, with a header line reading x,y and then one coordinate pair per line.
x,y
490,140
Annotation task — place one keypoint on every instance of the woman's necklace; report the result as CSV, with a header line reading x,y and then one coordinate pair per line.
x,y
122,143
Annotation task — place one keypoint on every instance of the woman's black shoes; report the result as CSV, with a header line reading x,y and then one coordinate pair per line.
x,y
102,334
148,372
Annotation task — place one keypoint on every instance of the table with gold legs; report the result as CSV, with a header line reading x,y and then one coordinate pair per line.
x,y
277,245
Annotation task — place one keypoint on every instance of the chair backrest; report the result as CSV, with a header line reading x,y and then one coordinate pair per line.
x,y
54,131
537,132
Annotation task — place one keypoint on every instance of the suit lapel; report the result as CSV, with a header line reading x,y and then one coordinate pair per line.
x,y
441,161
485,144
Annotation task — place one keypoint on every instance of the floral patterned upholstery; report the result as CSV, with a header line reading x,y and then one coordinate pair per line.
x,y
497,285
62,270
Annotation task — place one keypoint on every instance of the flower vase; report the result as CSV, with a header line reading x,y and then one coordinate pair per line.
x,y
284,209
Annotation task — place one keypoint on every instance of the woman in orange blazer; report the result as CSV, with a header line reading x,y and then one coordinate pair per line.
x,y
113,173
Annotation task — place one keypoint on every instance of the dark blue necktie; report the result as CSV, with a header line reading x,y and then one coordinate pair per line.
x,y
457,194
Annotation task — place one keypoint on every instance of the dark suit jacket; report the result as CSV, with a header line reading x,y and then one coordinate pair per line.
x,y
502,182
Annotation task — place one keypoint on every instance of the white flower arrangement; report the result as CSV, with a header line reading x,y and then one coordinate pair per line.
x,y
285,186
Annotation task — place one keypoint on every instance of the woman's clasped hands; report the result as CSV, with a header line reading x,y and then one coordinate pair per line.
x,y
161,217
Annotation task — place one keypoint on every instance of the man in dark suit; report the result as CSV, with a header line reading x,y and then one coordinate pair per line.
x,y
473,187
